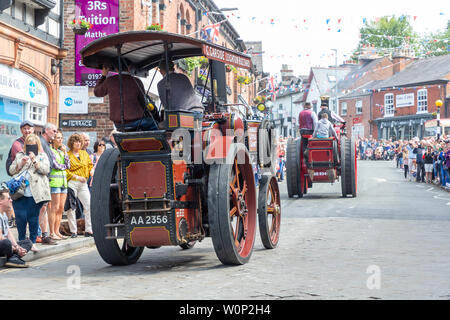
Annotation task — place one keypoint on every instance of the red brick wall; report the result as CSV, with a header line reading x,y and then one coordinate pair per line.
x,y
434,92
353,117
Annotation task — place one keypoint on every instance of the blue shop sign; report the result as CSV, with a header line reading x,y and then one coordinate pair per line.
x,y
11,110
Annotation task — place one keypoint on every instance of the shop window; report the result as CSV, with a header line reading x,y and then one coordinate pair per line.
x,y
359,107
422,101
36,114
389,105
344,108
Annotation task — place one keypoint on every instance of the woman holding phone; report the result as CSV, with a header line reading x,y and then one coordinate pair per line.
x,y
33,163
58,185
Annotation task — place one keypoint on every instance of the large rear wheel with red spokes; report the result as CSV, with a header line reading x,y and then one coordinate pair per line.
x,y
269,211
232,207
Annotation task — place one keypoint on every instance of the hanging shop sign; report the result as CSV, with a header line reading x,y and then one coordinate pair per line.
x,y
73,99
404,100
18,85
104,16
214,53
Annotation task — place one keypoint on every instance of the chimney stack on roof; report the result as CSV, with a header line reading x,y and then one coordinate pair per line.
x,y
368,53
287,75
401,58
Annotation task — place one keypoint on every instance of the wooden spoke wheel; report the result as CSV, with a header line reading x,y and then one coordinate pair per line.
x,y
232,207
106,209
269,211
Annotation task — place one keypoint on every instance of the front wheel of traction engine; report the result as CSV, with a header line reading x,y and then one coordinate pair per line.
x,y
269,211
293,171
348,167
232,207
106,209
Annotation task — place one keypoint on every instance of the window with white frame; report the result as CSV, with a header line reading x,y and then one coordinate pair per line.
x,y
149,5
334,105
389,105
344,108
36,114
359,107
422,101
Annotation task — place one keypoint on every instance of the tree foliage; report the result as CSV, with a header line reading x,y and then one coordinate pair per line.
x,y
385,34
436,44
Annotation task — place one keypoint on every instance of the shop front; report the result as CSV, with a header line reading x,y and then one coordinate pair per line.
x,y
22,97
402,127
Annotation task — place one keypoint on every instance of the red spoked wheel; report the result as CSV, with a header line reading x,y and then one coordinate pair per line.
x,y
269,211
232,207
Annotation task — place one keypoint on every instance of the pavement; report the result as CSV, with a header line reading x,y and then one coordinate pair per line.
x,y
46,250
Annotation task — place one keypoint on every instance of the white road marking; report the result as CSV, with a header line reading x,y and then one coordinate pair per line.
x,y
45,260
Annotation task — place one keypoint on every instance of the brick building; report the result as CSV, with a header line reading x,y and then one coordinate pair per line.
x,y
177,16
355,108
355,99
30,50
404,102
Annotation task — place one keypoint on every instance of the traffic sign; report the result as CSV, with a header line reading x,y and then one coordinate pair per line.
x,y
85,123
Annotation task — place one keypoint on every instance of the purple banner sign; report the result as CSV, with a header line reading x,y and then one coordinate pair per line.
x,y
104,16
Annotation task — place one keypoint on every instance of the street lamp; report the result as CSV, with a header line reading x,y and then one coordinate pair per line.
x,y
438,117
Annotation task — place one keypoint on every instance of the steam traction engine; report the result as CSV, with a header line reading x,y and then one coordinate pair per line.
x,y
310,160
192,179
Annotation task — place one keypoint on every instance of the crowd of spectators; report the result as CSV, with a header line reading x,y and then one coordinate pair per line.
x,y
57,176
372,149
426,160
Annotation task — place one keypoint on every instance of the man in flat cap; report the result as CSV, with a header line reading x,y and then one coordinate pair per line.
x,y
324,106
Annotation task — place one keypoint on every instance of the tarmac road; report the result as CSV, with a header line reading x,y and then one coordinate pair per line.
x,y
391,242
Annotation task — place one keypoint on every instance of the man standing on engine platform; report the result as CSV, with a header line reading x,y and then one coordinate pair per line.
x,y
324,101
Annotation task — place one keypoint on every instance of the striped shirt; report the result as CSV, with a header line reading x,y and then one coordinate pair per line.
x,y
80,167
